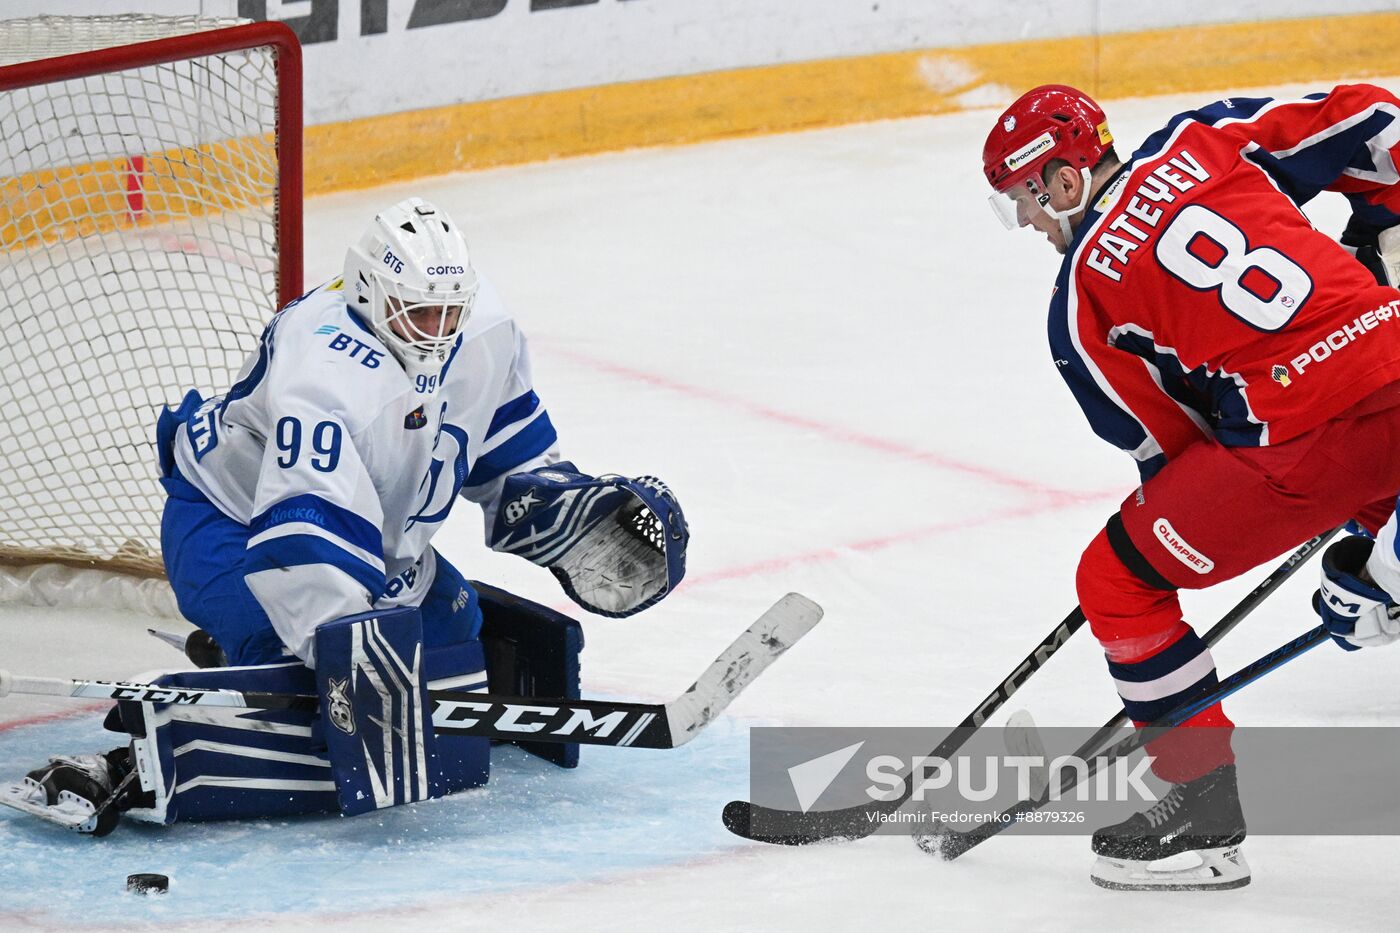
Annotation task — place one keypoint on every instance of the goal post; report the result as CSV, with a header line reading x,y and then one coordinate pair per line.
x,y
150,224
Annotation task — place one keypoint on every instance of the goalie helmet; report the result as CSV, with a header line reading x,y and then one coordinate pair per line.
x,y
1052,121
410,278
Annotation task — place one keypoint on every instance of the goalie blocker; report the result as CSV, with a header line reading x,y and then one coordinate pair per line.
x,y
372,744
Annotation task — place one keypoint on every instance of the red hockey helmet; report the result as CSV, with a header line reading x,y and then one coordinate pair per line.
x,y
1049,122
1052,121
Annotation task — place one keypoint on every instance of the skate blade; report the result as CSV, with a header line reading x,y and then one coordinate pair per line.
x,y
71,811
1204,870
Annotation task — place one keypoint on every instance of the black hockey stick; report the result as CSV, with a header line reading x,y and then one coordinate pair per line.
x,y
519,718
951,844
795,828
1232,618
791,827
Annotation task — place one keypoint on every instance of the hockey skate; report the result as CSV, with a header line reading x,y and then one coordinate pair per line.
x,y
85,793
1187,841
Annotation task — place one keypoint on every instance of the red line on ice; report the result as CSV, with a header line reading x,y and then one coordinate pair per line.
x,y
833,431
73,712
836,551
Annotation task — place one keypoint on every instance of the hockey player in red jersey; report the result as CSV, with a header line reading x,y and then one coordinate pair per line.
x,y
1249,364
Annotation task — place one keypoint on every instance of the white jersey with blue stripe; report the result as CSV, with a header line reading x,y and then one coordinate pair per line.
x,y
343,467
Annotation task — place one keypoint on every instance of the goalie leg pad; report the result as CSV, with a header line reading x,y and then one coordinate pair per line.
x,y
213,763
531,650
379,731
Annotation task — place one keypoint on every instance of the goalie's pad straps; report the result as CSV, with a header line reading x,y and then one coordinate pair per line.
x,y
378,724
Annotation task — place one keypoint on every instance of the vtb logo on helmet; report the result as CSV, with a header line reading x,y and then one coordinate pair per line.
x,y
410,278
1049,122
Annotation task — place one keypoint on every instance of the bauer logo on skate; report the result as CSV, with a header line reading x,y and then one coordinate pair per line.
x,y
1180,549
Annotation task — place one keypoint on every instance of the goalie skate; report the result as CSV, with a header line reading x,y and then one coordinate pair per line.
x,y
79,792
1196,870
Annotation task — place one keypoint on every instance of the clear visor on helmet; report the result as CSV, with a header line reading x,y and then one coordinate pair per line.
x,y
1015,205
426,324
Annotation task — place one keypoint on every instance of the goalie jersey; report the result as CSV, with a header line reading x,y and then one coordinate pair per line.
x,y
1196,301
343,467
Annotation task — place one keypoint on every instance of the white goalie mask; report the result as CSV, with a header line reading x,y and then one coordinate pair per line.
x,y
410,278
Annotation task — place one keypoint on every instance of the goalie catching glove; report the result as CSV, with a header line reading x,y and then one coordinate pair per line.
x,y
617,545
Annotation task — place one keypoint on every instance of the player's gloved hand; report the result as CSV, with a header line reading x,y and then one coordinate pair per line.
x,y
1375,248
1357,612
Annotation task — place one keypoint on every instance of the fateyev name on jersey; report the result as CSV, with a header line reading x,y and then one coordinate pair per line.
x,y
1162,185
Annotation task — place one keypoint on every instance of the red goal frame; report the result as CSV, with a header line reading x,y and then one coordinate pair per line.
x,y
288,207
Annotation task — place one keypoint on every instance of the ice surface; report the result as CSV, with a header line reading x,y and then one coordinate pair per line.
x,y
829,348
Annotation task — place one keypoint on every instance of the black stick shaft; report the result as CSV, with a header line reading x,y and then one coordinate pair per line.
x,y
951,845
794,828
790,827
1232,618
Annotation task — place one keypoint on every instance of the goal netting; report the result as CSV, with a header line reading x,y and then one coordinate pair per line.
x,y
150,199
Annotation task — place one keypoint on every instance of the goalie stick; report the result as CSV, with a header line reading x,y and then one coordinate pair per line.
x,y
793,827
953,843
513,718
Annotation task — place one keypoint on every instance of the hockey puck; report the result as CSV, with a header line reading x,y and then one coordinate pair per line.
x,y
147,883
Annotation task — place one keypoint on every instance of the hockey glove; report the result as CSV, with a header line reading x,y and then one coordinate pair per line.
x,y
617,545
1357,613
1376,249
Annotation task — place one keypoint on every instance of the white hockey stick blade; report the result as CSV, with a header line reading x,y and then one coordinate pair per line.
x,y
170,638
1023,738
777,630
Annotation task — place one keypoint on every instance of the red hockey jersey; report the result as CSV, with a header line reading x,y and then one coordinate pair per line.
x,y
1196,300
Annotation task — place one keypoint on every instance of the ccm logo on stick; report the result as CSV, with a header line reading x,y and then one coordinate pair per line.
x,y
1179,549
512,717
148,694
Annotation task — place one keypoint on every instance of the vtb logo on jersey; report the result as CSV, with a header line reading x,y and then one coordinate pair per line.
x,y
517,510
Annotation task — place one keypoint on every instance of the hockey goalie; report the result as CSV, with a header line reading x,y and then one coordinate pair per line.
x,y
301,505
